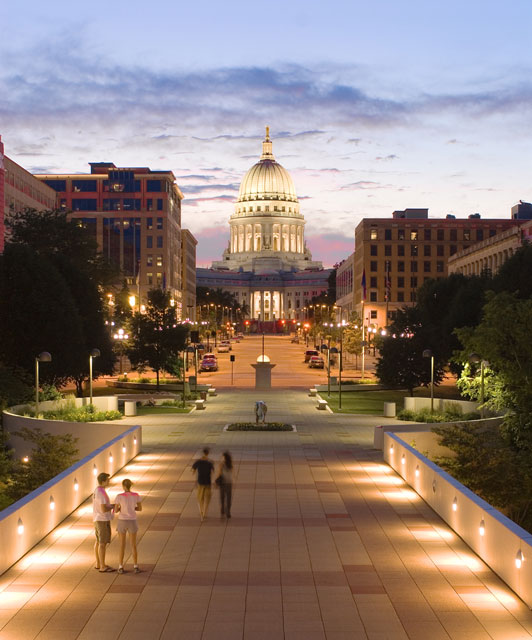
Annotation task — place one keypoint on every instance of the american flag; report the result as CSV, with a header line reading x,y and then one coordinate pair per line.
x,y
363,284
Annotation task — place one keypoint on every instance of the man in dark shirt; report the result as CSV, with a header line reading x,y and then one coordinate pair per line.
x,y
204,468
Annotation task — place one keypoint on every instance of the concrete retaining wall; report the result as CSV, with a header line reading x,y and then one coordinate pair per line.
x,y
415,404
502,541
29,520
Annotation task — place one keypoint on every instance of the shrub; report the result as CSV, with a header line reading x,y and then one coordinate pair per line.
x,y
452,414
70,413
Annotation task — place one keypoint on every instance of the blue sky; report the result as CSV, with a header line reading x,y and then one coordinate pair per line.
x,y
372,106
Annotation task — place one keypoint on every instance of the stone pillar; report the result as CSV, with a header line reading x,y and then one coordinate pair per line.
x,y
262,305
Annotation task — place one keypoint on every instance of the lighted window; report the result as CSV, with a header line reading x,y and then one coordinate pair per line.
x,y
149,223
373,234
159,261
467,235
149,278
413,234
149,261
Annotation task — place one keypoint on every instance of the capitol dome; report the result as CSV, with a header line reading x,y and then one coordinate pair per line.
x,y
267,179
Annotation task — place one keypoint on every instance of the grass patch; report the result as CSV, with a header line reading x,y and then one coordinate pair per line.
x,y
251,426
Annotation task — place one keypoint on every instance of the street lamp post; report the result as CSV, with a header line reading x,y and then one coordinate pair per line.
x,y
427,353
42,357
95,353
121,336
476,359
341,326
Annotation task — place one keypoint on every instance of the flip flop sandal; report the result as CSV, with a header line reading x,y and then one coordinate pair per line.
x,y
107,570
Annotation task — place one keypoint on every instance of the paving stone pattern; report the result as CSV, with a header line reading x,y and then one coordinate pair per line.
x,y
325,542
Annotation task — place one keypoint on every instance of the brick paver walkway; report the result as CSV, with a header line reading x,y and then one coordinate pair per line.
x,y
325,542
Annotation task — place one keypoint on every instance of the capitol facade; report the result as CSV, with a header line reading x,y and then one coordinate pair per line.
x,y
267,265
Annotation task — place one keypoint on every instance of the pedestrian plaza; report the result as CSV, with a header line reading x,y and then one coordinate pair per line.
x,y
325,542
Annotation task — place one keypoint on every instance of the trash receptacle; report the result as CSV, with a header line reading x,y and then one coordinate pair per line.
x,y
192,381
389,409
130,408
203,395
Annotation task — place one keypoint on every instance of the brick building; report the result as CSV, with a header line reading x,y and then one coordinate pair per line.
x,y
18,190
135,215
394,256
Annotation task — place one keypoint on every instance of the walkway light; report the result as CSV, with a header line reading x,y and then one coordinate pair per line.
x,y
482,527
44,356
391,448
52,503
94,470
76,484
417,471
455,504
403,459
124,447
111,458
20,527
95,353
519,559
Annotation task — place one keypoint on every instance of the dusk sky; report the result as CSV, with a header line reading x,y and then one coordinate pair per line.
x,y
372,106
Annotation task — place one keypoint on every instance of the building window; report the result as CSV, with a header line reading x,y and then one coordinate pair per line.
x,y
453,236
413,234
492,232
373,296
159,242
149,261
159,261
480,235
149,242
159,204
400,266
153,185
426,267
159,223
400,296
400,249
400,283
440,235
439,266
387,234
149,204
373,282
149,224
149,278
452,250
400,234
373,250
373,234
467,235
387,249
373,265
413,249
413,283
426,250
373,314
427,234
413,266
439,250
413,296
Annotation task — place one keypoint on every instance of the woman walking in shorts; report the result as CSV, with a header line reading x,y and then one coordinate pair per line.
x,y
127,504
225,473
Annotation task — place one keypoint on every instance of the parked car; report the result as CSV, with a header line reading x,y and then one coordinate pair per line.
x,y
316,362
226,343
209,356
223,348
309,353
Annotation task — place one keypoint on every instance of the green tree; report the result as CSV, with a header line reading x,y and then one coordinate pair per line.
x,y
352,336
51,454
156,339
401,363
514,274
38,313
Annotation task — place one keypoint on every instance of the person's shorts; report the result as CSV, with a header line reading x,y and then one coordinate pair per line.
x,y
125,526
102,529
204,492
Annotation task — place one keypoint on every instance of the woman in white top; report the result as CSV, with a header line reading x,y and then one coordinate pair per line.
x,y
126,505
